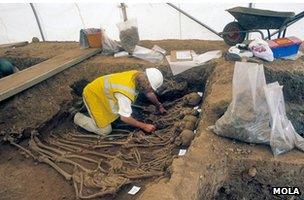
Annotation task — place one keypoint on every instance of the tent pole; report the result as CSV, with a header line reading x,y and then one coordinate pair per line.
x,y
124,11
37,20
250,5
194,19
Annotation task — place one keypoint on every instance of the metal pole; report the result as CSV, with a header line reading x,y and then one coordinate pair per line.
x,y
80,15
194,19
37,20
289,23
124,11
180,23
248,34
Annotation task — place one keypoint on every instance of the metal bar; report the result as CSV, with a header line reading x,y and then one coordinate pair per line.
x,y
296,17
80,15
268,32
289,23
37,20
284,32
194,19
249,6
124,11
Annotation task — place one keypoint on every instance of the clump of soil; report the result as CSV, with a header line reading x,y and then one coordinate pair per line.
x,y
129,38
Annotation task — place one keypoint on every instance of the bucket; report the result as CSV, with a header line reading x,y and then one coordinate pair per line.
x,y
94,39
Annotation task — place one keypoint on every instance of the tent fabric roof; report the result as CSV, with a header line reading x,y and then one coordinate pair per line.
x,y
62,21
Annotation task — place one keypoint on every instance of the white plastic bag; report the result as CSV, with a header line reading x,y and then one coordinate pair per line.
x,y
128,34
109,46
283,135
147,54
247,116
261,50
241,53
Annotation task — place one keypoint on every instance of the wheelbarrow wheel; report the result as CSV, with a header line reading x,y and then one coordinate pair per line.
x,y
235,36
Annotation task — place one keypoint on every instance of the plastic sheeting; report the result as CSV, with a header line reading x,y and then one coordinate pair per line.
x,y
247,117
178,67
62,21
283,136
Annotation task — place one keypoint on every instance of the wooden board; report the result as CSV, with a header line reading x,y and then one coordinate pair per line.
x,y
16,44
24,79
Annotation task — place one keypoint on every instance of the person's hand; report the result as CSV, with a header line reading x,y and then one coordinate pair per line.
x,y
162,110
149,128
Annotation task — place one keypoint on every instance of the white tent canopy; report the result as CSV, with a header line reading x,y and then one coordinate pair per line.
x,y
62,21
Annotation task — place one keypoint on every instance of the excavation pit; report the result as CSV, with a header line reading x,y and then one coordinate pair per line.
x,y
213,167
24,62
100,166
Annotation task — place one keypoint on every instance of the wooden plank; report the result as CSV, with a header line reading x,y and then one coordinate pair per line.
x,y
16,44
24,79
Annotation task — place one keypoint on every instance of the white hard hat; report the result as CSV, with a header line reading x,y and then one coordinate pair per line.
x,y
155,77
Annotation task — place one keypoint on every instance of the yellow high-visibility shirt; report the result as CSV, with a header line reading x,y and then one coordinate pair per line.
x,y
99,95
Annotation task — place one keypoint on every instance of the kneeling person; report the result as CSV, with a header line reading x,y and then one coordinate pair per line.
x,y
111,96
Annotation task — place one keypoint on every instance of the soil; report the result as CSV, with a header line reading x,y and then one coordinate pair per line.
x,y
213,167
34,53
40,49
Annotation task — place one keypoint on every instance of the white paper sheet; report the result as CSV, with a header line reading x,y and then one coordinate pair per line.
x,y
134,190
183,55
182,152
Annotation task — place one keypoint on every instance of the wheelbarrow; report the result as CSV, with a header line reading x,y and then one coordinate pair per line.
x,y
255,20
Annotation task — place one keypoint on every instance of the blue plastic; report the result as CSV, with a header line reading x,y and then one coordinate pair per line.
x,y
284,51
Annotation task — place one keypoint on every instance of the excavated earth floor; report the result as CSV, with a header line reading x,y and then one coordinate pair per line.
x,y
213,167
